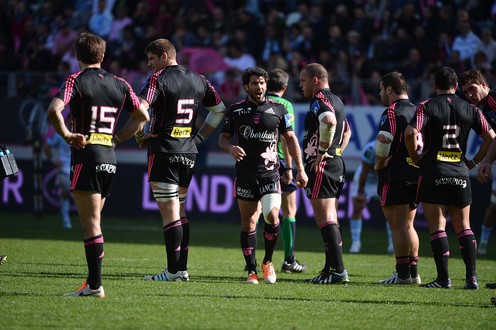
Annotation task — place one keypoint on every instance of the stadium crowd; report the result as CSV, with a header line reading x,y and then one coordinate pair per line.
x,y
357,41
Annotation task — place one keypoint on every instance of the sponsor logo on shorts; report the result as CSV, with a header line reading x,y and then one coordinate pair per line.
x,y
270,187
182,160
244,193
109,168
451,182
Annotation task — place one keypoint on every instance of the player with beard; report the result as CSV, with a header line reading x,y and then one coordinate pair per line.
x,y
257,122
398,178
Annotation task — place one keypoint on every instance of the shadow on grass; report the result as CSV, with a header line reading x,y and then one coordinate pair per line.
x,y
203,233
331,299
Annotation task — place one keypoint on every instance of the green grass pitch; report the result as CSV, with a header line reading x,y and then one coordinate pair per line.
x,y
46,261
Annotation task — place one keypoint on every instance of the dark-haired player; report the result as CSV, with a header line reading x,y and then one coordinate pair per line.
x,y
444,123
398,177
257,122
175,95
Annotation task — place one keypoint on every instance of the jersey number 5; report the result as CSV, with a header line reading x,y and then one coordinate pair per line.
x,y
183,109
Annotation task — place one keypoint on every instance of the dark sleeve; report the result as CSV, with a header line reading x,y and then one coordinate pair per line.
x,y
131,101
229,125
480,124
149,92
211,97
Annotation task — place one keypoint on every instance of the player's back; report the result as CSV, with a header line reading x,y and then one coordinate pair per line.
x,y
449,122
96,98
175,94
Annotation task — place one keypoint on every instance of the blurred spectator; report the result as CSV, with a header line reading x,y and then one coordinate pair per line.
x,y
165,19
413,70
456,63
295,17
63,39
481,63
251,29
488,45
318,23
371,89
308,47
467,42
236,58
446,21
39,58
83,9
101,21
443,52
20,18
355,50
335,40
141,17
426,46
230,89
407,18
183,38
353,38
272,43
276,61
70,58
121,21
45,15
204,36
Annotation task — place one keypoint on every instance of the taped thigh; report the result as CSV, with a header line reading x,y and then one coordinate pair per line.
x,y
164,192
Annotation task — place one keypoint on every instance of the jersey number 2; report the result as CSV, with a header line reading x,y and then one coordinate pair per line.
x,y
450,136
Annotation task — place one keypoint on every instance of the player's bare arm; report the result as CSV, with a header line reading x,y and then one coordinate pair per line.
x,y
75,140
235,151
294,151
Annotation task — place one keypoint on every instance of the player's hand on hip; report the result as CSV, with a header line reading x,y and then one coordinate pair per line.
x,y
142,139
76,140
320,158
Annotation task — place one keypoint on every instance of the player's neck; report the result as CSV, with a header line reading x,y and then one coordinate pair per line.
x,y
87,66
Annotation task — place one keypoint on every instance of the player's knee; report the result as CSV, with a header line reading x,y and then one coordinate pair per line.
x,y
270,207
